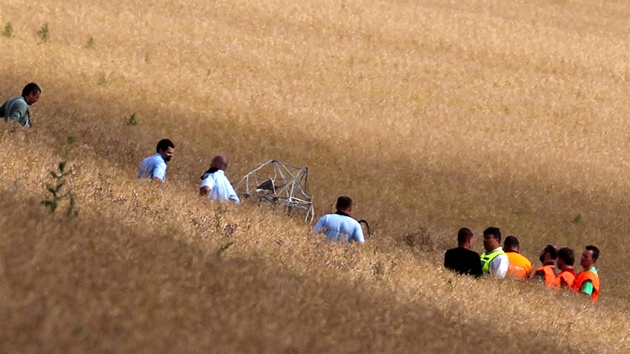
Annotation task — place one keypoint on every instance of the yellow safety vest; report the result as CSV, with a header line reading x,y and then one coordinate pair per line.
x,y
487,258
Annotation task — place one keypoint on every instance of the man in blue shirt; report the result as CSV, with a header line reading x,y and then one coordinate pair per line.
x,y
340,225
215,185
154,167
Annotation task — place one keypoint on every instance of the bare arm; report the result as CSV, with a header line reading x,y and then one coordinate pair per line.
x,y
204,191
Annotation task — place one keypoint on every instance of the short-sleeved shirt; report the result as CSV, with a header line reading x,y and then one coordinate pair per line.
x,y
153,167
587,286
463,261
340,226
16,110
220,187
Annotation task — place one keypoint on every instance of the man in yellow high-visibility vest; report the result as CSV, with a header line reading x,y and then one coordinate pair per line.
x,y
494,261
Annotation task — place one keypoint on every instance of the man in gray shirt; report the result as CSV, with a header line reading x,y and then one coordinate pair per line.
x,y
16,109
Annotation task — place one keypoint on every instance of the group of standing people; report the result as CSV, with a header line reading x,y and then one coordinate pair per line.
x,y
556,269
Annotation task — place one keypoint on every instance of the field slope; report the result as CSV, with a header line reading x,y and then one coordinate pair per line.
x,y
431,116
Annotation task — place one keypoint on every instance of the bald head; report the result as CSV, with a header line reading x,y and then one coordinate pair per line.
x,y
220,162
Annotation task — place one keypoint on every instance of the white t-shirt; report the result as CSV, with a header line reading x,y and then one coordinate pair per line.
x,y
220,187
339,227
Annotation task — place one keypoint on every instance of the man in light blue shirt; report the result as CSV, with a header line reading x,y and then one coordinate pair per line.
x,y
215,185
154,167
340,225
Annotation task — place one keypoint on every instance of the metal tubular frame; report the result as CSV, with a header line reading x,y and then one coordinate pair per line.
x,y
286,186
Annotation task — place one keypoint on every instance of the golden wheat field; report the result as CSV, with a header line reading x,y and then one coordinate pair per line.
x,y
431,115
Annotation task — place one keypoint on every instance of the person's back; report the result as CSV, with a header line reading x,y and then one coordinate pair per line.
x,y
220,187
520,267
340,226
215,185
461,259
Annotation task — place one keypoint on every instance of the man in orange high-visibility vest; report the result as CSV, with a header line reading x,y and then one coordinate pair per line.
x,y
565,261
520,267
547,272
587,281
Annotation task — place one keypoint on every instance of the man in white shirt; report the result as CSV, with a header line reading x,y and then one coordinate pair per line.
x,y
215,185
494,261
340,226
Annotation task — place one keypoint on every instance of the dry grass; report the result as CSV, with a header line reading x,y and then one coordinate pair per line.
x,y
431,116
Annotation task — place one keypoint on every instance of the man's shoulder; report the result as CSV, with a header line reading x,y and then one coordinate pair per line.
x,y
153,161
157,160
323,218
16,102
517,256
338,218
587,275
459,251
220,175
349,219
499,257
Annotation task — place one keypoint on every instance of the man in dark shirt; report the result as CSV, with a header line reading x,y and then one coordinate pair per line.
x,y
461,259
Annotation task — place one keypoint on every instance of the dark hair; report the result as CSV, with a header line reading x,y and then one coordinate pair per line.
x,y
31,88
552,250
567,255
164,144
464,234
493,231
595,251
343,203
511,242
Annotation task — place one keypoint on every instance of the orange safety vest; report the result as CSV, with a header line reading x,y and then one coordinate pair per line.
x,y
585,276
566,278
520,267
551,278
